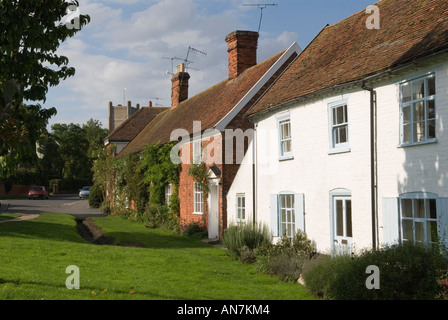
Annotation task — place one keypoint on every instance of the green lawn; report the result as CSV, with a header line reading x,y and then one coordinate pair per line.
x,y
34,256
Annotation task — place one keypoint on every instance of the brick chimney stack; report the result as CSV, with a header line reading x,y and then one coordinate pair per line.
x,y
180,86
242,49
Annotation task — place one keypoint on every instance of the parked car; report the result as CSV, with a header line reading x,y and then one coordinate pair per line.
x,y
84,192
38,192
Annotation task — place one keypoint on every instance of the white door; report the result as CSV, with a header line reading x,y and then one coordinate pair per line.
x,y
213,215
342,225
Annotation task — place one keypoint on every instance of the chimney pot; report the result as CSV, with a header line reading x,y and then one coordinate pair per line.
x,y
242,50
180,86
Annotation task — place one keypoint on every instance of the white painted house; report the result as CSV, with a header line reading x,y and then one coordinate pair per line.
x,y
351,142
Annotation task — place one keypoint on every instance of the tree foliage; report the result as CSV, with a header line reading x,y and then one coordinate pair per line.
x,y
30,34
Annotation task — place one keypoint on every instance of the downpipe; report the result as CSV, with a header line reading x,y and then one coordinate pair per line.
x,y
373,164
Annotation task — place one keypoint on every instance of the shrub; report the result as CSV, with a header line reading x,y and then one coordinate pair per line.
x,y
193,229
96,196
245,235
285,259
159,216
407,272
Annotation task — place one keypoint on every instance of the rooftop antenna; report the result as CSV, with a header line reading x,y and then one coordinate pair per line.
x,y
261,6
187,62
157,99
188,54
124,95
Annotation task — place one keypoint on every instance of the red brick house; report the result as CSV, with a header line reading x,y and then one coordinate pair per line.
x,y
206,123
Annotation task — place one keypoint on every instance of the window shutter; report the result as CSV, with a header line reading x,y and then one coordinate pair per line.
x,y
274,215
391,221
442,216
299,200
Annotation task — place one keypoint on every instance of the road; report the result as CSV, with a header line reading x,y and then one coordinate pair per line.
x,y
65,204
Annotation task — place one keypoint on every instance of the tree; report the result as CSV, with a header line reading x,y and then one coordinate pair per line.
x,y
30,33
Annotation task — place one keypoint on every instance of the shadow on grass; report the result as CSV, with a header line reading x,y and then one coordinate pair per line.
x,y
68,231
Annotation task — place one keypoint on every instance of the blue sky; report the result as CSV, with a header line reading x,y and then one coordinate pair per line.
x,y
127,41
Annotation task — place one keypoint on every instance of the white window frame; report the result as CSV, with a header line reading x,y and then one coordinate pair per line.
x,y
335,146
426,221
241,208
197,152
198,199
287,214
412,122
168,193
281,121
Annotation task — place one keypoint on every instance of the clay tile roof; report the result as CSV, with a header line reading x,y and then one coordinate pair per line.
x,y
208,107
348,51
129,129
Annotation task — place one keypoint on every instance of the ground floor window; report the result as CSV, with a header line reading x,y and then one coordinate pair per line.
x,y
198,199
287,215
241,208
419,220
418,217
168,193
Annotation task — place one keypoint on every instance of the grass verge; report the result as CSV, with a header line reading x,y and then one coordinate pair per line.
x,y
34,256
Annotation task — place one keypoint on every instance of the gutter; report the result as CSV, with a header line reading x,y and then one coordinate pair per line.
x,y
373,163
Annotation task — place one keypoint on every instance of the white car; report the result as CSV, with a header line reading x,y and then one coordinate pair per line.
x,y
84,192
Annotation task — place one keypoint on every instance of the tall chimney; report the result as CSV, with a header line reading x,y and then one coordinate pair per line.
x,y
180,86
242,49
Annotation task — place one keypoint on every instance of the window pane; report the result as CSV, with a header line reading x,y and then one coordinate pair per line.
x,y
407,133
408,232
431,86
419,111
406,114
419,208
406,210
418,88
432,231
431,109
419,131
339,218
343,134
419,231
348,205
341,115
406,92
432,210
286,146
283,201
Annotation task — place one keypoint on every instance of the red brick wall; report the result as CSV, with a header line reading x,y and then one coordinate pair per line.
x,y
242,48
16,191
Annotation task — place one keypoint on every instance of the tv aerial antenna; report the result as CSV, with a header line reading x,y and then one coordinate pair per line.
x,y
186,62
188,55
157,101
261,6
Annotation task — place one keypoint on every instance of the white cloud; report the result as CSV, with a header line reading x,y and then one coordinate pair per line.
x,y
127,48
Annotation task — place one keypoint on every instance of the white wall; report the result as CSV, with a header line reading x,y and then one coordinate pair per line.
x,y
314,172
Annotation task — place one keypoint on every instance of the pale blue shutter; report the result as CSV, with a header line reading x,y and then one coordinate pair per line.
x,y
274,215
299,201
442,217
391,221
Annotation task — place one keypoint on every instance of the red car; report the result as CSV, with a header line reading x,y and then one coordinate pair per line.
x,y
38,192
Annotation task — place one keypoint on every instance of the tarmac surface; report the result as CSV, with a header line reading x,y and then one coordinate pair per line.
x,y
63,204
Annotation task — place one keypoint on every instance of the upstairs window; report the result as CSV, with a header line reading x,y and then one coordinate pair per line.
x,y
339,127
197,152
418,111
285,137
